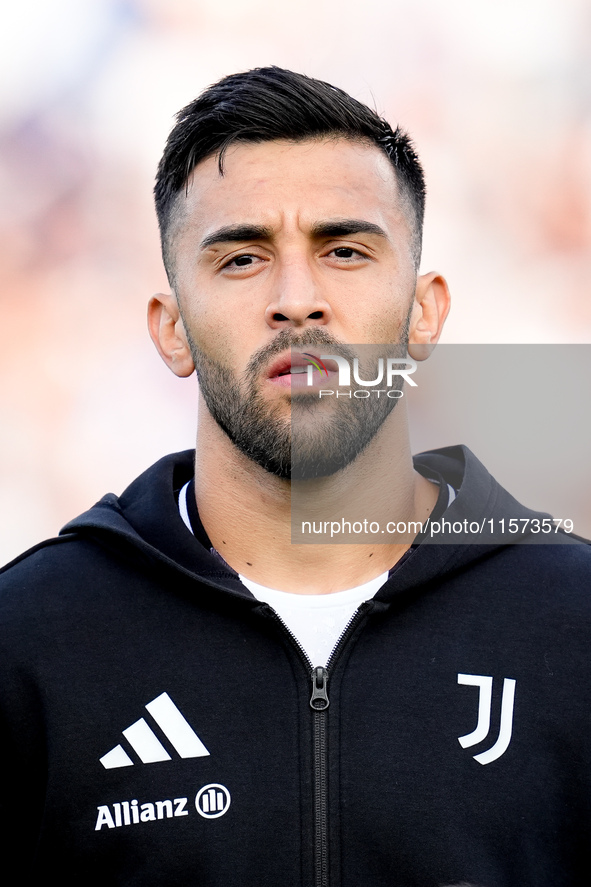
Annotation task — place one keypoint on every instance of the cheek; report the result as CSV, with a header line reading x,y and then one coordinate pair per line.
x,y
388,317
227,332
202,317
216,336
210,338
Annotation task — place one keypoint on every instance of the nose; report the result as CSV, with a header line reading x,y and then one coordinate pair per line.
x,y
297,300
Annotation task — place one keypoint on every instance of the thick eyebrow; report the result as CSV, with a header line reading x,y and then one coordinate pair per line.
x,y
344,227
330,228
236,234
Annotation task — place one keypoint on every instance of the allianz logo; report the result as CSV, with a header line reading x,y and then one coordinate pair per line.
x,y
211,802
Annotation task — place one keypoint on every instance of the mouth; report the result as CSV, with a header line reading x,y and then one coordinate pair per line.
x,y
293,369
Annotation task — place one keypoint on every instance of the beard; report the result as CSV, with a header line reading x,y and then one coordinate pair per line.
x,y
309,444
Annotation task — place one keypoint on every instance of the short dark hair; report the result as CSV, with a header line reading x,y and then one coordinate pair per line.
x,y
272,103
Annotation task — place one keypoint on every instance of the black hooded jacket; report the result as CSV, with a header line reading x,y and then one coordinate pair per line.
x,y
160,726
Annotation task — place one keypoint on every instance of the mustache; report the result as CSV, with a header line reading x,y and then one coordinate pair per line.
x,y
288,339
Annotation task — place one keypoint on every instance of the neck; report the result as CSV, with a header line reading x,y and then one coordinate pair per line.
x,y
249,514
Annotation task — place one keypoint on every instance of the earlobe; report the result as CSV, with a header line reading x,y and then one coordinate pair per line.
x,y
168,334
431,307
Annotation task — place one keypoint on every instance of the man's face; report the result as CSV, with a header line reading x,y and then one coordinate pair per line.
x,y
298,244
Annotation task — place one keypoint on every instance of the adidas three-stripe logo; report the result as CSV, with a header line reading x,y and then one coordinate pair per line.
x,y
146,744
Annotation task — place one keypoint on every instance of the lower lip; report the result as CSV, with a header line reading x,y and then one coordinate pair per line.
x,y
300,380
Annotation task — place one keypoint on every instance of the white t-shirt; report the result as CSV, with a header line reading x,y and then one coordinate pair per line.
x,y
316,620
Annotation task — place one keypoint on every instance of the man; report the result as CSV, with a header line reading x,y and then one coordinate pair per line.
x,y
190,698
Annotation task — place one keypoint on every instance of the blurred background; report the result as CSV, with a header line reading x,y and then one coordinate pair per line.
x,y
497,96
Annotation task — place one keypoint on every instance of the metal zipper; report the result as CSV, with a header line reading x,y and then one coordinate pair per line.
x,y
319,703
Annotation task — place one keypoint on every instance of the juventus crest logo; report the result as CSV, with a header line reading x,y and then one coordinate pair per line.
x,y
485,685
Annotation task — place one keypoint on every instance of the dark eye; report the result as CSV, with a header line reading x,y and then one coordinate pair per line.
x,y
246,260
344,252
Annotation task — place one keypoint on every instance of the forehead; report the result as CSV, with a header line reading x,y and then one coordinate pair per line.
x,y
279,182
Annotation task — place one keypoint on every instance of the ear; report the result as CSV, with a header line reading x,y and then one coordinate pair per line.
x,y
168,334
430,308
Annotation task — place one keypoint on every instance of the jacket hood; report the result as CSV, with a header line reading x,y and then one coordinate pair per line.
x,y
146,518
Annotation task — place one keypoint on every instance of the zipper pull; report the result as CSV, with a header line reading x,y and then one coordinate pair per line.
x,y
319,699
